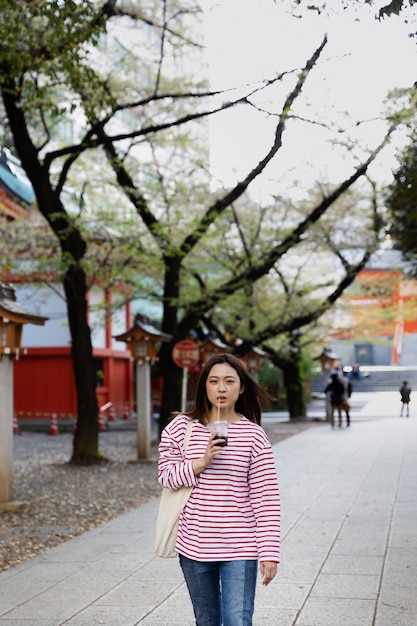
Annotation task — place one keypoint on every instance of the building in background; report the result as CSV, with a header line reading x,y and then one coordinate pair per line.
x,y
16,193
377,322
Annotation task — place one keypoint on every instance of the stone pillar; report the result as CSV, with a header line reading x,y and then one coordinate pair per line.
x,y
143,409
6,429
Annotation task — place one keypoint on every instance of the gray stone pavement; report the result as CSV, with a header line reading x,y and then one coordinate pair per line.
x,y
349,553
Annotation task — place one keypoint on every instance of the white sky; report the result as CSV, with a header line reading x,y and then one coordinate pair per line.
x,y
360,63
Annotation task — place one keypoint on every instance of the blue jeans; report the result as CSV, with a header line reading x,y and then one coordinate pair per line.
x,y
222,592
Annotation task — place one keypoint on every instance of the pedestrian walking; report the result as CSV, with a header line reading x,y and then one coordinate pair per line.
x,y
231,520
405,393
335,389
346,395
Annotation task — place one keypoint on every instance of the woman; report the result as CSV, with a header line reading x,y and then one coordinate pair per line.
x,y
232,518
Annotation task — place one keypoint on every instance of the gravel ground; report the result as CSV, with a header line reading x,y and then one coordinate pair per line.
x,y
60,501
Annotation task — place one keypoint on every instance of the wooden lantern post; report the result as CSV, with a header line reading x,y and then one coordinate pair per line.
x,y
142,339
12,318
328,360
211,346
252,358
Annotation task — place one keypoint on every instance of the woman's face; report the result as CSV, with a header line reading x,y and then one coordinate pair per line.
x,y
223,386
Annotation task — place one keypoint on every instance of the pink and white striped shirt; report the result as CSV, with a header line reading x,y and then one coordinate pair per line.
x,y
234,509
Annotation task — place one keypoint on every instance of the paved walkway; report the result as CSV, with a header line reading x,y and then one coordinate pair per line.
x,y
349,499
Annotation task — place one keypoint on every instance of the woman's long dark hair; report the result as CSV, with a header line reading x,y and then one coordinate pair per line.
x,y
250,401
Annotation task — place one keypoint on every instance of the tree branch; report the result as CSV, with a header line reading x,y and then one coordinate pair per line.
x,y
255,272
309,317
89,142
222,203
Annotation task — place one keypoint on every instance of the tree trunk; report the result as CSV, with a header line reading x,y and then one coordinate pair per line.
x,y
171,392
171,373
73,247
294,385
85,442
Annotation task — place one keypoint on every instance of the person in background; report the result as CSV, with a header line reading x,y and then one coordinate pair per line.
x,y
336,390
405,393
347,393
356,370
231,521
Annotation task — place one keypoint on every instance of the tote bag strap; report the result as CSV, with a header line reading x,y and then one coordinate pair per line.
x,y
188,434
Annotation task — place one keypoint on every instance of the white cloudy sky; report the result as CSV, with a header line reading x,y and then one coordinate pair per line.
x,y
361,62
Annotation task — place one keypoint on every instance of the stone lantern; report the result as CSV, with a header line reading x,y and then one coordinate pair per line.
x,y
142,339
12,318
